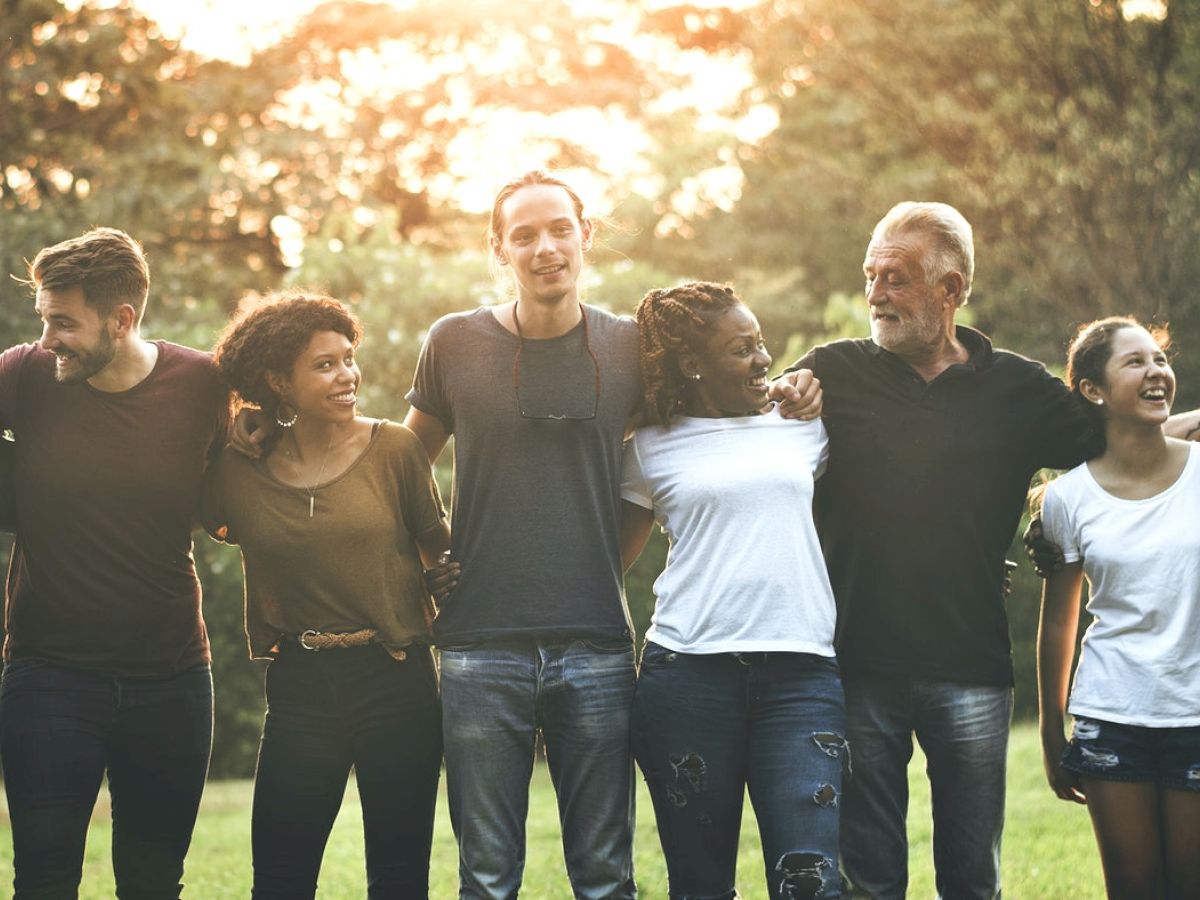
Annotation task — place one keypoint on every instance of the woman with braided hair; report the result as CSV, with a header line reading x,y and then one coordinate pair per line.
x,y
738,686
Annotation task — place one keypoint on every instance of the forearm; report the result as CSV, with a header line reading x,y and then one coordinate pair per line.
x,y
1185,426
433,543
1056,647
636,522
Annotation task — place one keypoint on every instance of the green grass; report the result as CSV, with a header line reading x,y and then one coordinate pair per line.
x,y
1049,853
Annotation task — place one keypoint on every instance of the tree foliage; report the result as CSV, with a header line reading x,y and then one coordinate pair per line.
x,y
1068,134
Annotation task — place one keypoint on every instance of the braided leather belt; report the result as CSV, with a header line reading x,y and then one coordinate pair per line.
x,y
324,640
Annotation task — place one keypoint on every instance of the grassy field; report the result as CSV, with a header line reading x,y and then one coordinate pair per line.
x,y
1049,852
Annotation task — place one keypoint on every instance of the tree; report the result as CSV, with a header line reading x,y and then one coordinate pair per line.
x,y
1066,132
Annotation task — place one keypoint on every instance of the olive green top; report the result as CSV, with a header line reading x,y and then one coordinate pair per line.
x,y
352,565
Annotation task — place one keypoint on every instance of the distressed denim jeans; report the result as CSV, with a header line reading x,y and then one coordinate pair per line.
x,y
963,730
708,726
61,732
495,700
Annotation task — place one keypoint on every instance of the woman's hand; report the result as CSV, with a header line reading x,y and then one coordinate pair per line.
x,y
1065,784
442,577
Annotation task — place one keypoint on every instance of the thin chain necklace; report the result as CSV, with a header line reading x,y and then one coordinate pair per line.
x,y
311,490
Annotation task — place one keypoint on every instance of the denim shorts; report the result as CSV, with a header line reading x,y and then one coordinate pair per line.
x,y
1111,751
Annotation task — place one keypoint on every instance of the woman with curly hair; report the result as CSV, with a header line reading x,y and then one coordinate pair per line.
x,y
738,685
1127,521
333,523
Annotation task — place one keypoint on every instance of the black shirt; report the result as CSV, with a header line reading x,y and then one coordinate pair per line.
x,y
924,490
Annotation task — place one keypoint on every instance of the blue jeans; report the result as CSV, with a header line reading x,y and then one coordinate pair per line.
x,y
327,712
61,732
963,730
495,698
706,727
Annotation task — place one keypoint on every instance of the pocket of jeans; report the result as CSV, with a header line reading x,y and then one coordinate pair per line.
x,y
18,670
656,656
459,648
608,645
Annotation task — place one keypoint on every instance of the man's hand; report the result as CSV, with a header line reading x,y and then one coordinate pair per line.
x,y
798,395
1045,556
252,433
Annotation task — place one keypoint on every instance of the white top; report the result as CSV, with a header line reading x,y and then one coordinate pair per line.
x,y
1140,660
744,571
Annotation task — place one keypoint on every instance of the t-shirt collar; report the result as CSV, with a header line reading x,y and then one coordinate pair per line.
x,y
979,348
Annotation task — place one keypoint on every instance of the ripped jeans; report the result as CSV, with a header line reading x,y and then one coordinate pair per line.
x,y
708,726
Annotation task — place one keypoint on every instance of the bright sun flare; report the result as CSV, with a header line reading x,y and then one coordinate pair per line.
x,y
499,144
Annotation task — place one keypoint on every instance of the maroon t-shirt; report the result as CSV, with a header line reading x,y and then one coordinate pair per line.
x,y
107,487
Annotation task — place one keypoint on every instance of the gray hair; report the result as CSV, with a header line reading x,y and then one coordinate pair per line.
x,y
953,246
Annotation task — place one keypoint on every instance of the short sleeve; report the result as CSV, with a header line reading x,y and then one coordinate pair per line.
x,y
222,423
11,362
1057,525
420,498
214,514
1064,436
428,393
633,479
807,361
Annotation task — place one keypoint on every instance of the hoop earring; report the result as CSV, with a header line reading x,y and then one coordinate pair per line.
x,y
283,420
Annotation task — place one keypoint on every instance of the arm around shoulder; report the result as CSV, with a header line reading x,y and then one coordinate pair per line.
x,y
1185,426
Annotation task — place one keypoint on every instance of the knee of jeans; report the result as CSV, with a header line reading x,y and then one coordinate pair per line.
x,y
804,874
689,773
835,746
684,776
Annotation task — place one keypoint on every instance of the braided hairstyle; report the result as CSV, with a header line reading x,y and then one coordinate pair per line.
x,y
672,321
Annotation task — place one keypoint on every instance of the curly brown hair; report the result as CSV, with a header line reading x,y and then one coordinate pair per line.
x,y
672,321
268,333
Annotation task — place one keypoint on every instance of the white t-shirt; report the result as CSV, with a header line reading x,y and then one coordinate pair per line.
x,y
744,571
1140,660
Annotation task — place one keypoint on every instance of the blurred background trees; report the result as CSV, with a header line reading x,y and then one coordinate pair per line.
x,y
756,142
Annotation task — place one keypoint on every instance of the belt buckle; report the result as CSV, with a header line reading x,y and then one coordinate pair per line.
x,y
309,633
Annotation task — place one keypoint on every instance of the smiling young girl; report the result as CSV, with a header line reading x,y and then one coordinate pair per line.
x,y
1128,521
738,685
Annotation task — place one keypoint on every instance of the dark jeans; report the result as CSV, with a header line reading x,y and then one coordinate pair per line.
x,y
328,711
708,726
61,731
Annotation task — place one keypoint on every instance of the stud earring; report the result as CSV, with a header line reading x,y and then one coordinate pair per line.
x,y
695,377
1100,402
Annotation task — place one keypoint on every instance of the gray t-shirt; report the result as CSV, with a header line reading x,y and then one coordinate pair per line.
x,y
536,500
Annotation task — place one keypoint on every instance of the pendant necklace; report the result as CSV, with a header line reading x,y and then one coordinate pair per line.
x,y
311,490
